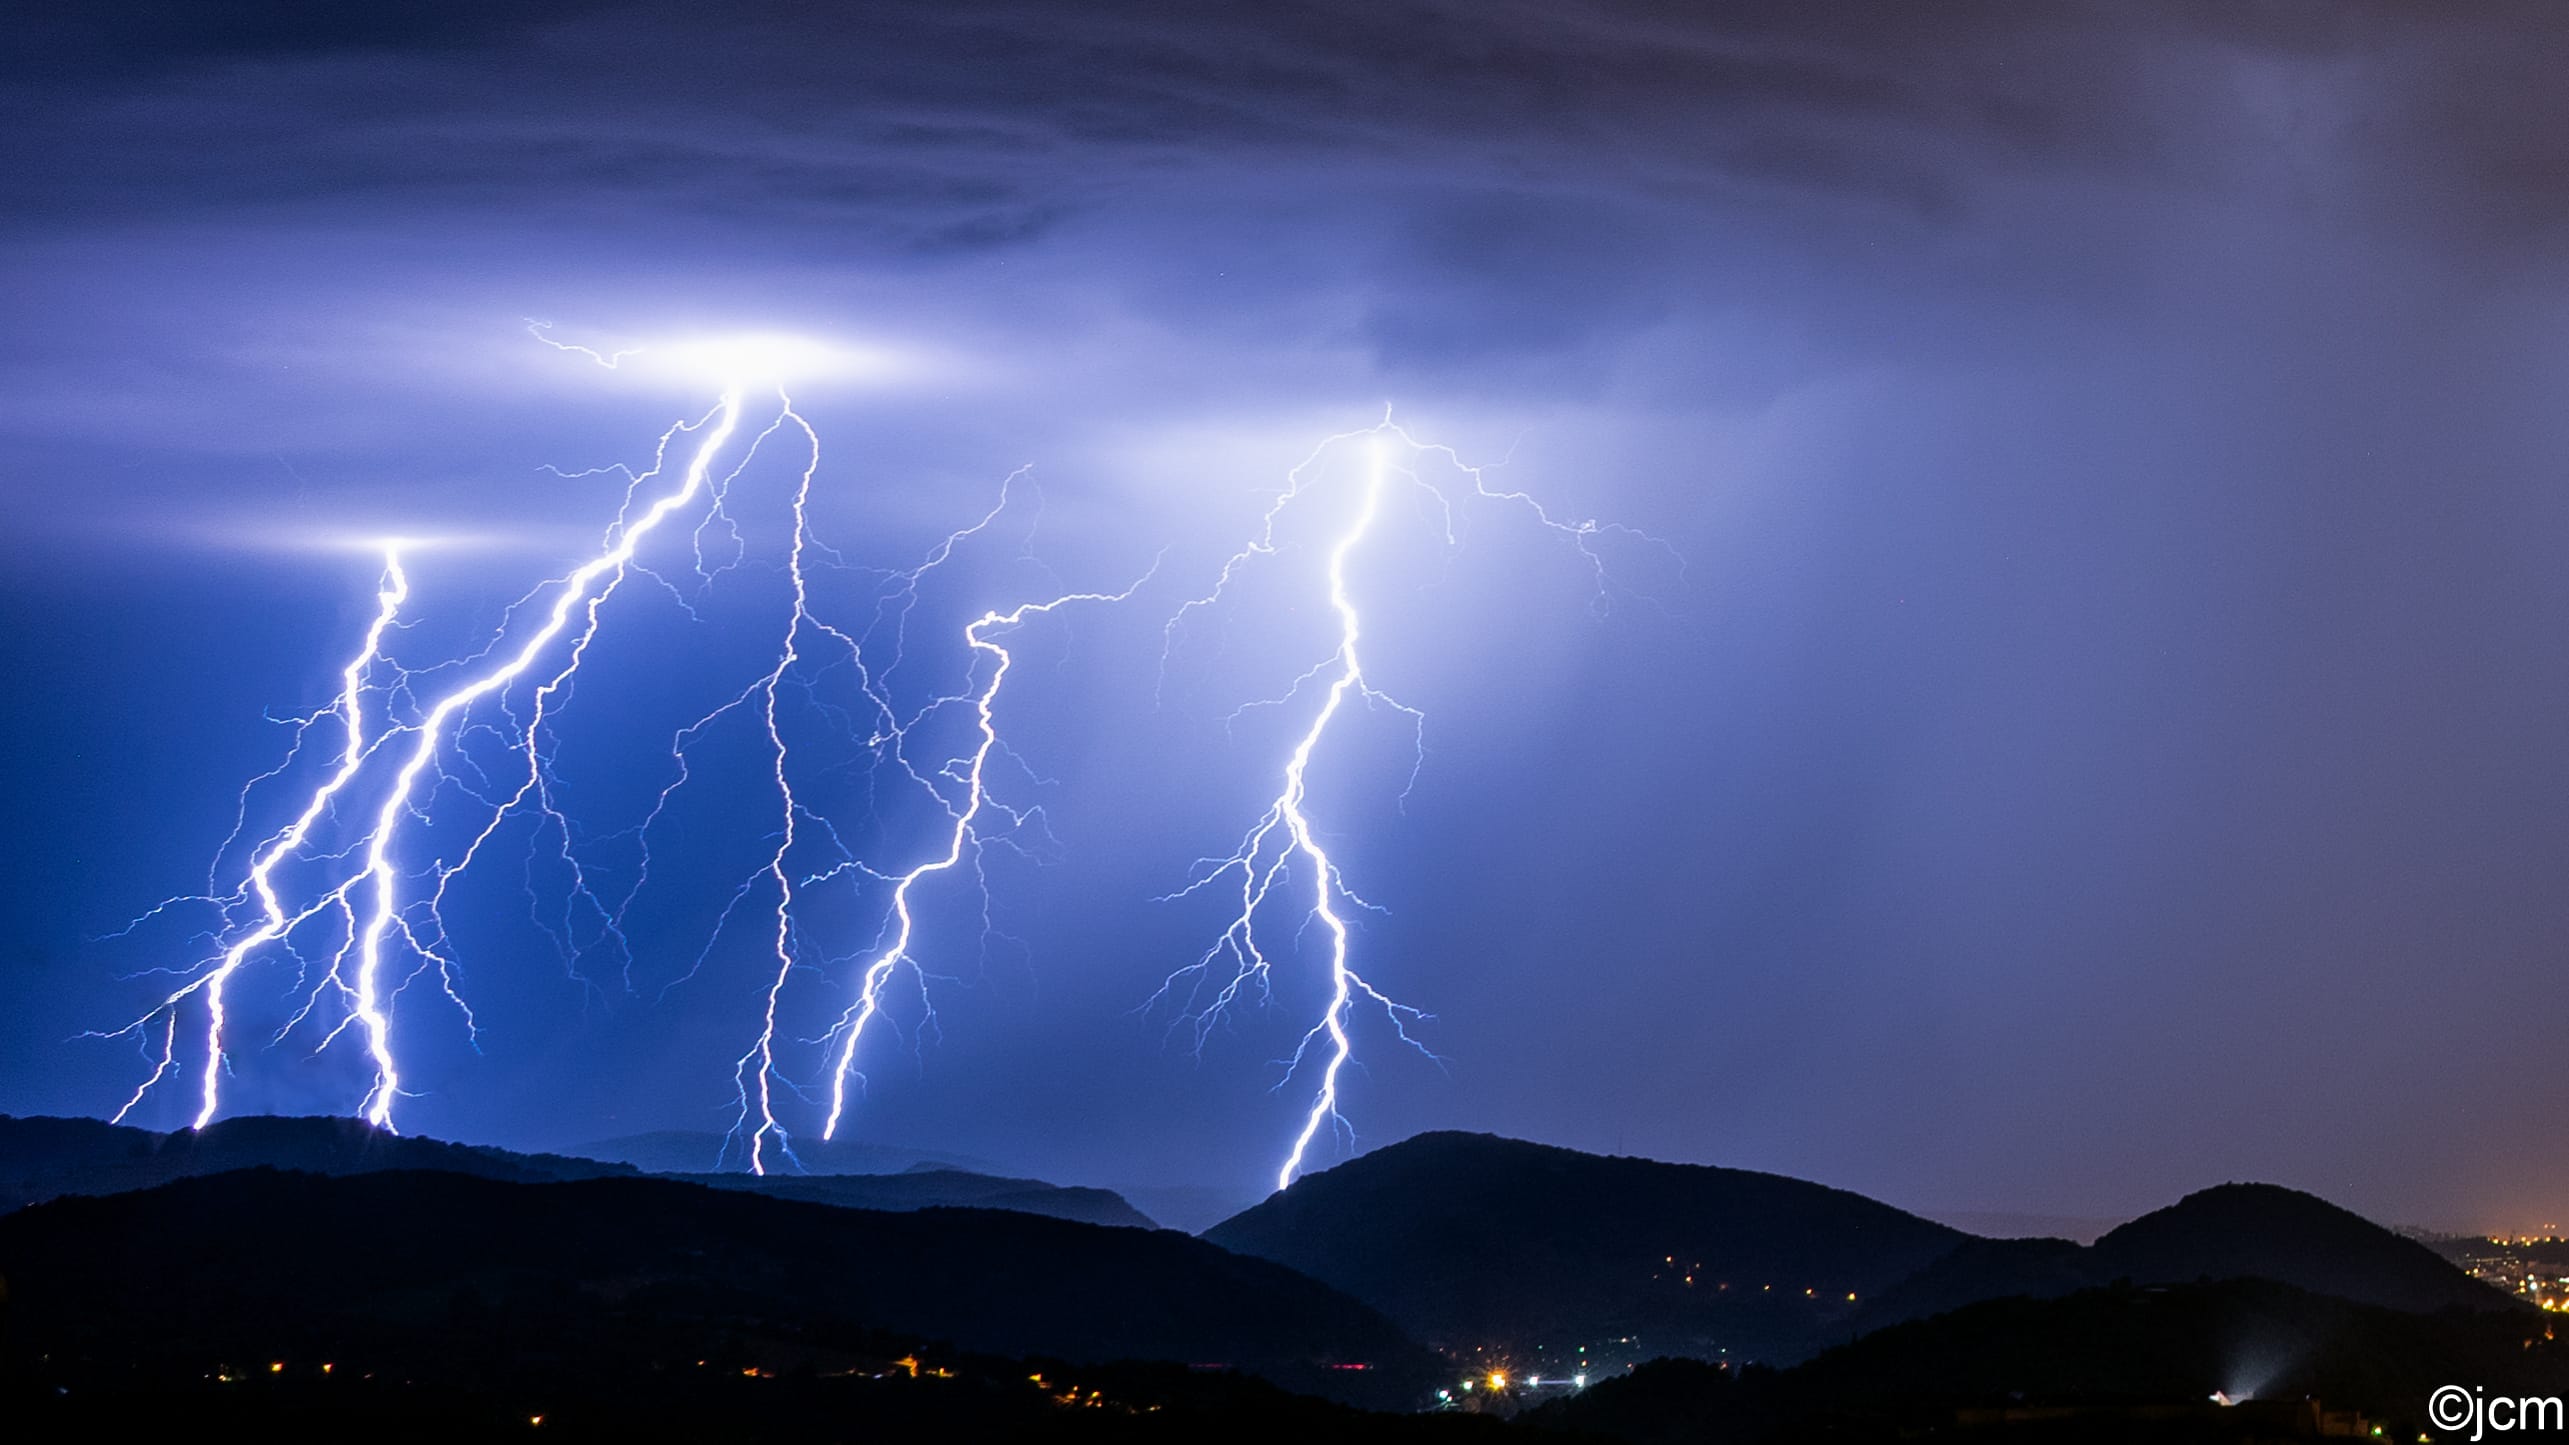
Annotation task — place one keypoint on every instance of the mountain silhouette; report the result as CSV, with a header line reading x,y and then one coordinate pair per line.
x,y
1471,1239
2232,1231
420,1270
462,1264
2264,1231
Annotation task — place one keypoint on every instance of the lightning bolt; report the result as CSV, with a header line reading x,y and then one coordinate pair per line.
x,y
960,787
1343,981
390,913
274,922
380,918
386,915
1282,850
970,772
758,1082
370,899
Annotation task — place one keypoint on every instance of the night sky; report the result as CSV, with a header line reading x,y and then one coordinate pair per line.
x,y
2110,734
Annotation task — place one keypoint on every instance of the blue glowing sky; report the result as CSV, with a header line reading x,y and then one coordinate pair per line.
x,y
2112,736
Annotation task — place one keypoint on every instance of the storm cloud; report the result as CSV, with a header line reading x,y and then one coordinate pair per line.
x,y
2107,740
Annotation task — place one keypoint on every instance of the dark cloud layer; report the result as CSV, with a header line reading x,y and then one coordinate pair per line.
x,y
2110,742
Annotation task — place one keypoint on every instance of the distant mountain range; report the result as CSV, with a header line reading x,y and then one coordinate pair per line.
x,y
925,1186
1194,1208
44,1158
687,1151
2010,1224
1469,1240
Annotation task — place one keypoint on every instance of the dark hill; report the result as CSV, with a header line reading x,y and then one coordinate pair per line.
x,y
2235,1231
1472,1240
2121,1363
2262,1231
1980,1269
412,1267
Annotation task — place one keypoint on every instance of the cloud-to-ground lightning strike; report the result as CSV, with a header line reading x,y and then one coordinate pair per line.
x,y
370,900
358,909
787,656
756,1073
1282,846
971,773
368,1003
274,923
1325,886
384,908
966,795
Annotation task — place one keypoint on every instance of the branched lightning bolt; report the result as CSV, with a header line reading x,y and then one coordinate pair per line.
x,y
1265,861
970,772
387,910
760,1080
370,898
386,917
275,923
1282,846
756,1073
379,918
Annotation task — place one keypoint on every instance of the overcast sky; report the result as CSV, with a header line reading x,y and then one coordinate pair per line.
x,y
2107,738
